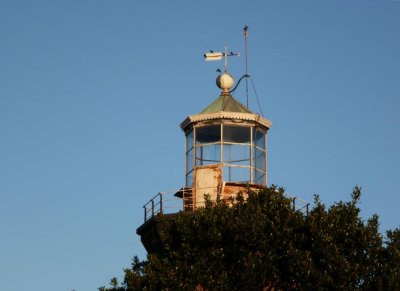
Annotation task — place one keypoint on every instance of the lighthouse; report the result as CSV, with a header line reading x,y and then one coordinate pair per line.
x,y
225,153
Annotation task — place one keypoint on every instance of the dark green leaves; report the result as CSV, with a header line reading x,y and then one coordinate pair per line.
x,y
262,243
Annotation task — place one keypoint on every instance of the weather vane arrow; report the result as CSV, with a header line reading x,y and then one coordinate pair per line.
x,y
216,56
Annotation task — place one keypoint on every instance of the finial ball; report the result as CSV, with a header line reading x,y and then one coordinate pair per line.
x,y
225,81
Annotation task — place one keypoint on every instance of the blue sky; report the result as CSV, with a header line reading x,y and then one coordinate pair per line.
x,y
92,94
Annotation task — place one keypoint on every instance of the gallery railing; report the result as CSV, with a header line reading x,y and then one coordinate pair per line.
x,y
178,200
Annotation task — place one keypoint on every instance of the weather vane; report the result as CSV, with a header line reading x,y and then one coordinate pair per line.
x,y
216,56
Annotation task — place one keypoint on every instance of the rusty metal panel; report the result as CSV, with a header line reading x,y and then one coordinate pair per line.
x,y
231,189
207,181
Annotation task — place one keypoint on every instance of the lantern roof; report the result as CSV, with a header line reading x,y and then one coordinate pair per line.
x,y
225,102
228,108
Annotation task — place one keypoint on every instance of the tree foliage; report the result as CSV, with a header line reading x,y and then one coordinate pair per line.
x,y
264,244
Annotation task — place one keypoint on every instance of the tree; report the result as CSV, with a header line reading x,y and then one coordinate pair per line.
x,y
262,243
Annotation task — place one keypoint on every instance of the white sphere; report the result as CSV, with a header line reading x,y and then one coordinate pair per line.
x,y
225,81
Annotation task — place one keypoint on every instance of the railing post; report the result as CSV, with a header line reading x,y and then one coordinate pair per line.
x,y
307,208
161,206
294,203
145,213
152,207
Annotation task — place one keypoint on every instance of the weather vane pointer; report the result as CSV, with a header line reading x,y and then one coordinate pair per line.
x,y
216,56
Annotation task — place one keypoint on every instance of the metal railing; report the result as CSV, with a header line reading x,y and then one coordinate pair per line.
x,y
167,203
300,205
162,202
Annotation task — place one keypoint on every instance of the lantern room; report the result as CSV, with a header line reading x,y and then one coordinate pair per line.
x,y
225,149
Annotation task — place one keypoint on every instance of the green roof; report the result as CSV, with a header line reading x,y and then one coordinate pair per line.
x,y
225,102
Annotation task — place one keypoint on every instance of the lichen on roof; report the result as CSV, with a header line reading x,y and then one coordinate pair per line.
x,y
225,102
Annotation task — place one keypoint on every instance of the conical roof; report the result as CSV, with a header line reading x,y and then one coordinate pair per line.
x,y
225,107
225,102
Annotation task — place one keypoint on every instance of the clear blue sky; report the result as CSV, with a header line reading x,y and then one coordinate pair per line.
x,y
92,94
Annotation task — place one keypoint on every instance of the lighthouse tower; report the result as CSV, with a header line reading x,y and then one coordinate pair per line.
x,y
226,149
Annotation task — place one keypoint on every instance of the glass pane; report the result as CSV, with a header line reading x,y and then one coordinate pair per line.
x,y
208,154
189,140
189,180
236,154
259,138
259,159
259,177
190,160
208,134
239,134
236,174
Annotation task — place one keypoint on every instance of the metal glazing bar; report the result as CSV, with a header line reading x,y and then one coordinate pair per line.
x,y
221,142
238,143
208,143
236,161
161,203
251,148
235,166
265,162
205,160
